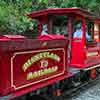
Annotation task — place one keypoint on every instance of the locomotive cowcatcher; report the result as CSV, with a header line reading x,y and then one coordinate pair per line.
x,y
55,60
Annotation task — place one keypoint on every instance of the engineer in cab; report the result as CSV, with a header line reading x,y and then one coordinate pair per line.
x,y
78,32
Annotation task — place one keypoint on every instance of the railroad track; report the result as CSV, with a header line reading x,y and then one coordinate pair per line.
x,y
76,91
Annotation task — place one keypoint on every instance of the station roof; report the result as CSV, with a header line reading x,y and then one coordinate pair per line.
x,y
62,11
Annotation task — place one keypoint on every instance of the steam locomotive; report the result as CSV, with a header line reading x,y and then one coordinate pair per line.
x,y
55,60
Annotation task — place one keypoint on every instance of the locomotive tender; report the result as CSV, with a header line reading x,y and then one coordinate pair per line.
x,y
55,60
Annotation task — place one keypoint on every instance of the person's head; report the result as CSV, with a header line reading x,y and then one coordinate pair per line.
x,y
79,26
45,28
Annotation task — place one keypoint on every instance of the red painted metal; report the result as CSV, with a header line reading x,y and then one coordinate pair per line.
x,y
78,53
51,36
93,73
17,61
82,56
38,86
61,11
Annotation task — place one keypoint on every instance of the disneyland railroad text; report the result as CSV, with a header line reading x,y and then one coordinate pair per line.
x,y
39,56
41,72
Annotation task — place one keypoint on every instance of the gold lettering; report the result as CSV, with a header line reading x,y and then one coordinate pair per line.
x,y
41,72
25,66
39,56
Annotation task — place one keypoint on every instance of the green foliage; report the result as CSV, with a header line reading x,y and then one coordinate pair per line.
x,y
43,1
12,17
12,12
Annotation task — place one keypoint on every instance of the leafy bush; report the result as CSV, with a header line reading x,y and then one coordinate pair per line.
x,y
12,18
14,21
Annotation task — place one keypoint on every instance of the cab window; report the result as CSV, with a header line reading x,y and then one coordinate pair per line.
x,y
59,25
77,29
89,31
96,32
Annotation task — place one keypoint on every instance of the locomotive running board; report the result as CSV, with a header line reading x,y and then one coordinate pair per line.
x,y
86,69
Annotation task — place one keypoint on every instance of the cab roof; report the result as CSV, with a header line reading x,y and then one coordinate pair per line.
x,y
62,11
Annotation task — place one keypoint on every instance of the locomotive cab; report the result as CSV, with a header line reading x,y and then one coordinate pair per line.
x,y
85,45
54,23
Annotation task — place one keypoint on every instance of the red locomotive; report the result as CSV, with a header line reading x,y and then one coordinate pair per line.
x,y
56,59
